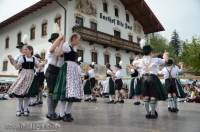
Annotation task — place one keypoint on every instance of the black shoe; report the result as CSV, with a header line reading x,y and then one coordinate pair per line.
x,y
135,103
38,102
48,116
18,114
26,113
87,99
55,117
110,102
138,103
121,101
174,110
70,116
177,109
94,100
116,101
65,118
148,116
169,108
31,104
153,116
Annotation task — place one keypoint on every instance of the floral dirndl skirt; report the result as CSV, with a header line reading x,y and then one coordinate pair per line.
x,y
86,85
135,87
109,86
68,86
162,94
20,88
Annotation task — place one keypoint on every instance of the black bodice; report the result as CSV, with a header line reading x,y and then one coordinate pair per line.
x,y
28,65
70,56
135,74
86,77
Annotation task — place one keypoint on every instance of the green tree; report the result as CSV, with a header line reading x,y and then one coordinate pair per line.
x,y
175,41
190,55
159,44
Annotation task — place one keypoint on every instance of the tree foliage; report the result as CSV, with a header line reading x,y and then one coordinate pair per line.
x,y
175,41
190,55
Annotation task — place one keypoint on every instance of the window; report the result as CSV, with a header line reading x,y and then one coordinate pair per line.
x,y
117,34
93,25
44,29
58,21
19,36
105,7
118,59
43,55
127,17
7,43
116,12
106,59
32,33
130,38
131,61
79,21
5,65
80,54
138,40
94,57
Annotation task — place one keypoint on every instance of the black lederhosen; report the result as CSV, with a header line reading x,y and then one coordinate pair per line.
x,y
149,87
40,78
92,82
118,84
51,76
170,85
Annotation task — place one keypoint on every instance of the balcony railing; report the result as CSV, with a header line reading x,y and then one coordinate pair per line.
x,y
94,36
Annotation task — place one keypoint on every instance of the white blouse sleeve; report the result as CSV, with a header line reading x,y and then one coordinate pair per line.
x,y
109,71
66,47
132,71
20,60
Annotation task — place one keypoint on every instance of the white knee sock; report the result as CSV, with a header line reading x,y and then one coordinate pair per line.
x,y
62,108
110,97
138,98
69,106
19,104
135,98
156,107
26,101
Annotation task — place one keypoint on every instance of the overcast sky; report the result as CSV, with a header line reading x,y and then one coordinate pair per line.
x,y
182,15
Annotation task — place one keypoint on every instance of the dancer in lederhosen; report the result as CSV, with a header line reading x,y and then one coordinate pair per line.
x,y
148,67
109,86
21,88
171,86
55,62
118,83
40,80
69,86
92,80
135,86
86,84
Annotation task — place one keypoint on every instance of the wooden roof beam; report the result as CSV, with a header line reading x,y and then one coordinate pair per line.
x,y
134,4
150,27
144,16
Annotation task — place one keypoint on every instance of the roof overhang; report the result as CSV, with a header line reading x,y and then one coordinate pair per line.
x,y
143,14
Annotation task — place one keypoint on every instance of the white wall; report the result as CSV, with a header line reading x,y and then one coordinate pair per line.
x,y
49,12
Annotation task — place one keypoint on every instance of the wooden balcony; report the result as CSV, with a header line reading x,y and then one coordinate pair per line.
x,y
107,40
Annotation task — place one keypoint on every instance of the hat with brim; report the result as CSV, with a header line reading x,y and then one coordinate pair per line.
x,y
146,49
20,45
53,36
91,65
170,62
118,66
37,56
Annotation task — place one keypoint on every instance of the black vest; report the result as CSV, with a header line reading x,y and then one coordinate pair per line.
x,y
86,77
135,74
71,56
28,65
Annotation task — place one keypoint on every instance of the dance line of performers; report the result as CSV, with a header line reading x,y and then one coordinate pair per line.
x,y
63,77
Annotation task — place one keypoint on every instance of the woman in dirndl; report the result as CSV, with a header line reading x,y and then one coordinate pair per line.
x,y
135,87
69,87
109,86
86,84
23,85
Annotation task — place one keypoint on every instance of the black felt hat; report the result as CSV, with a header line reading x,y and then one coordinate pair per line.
x,y
146,49
119,65
53,36
20,45
37,56
170,62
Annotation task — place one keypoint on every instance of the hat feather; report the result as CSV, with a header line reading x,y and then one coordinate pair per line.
x,y
25,39
79,59
120,63
93,63
142,43
56,28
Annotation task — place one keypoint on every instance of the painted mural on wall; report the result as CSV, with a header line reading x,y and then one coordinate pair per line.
x,y
86,7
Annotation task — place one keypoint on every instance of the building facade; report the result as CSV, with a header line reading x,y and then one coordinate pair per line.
x,y
110,30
